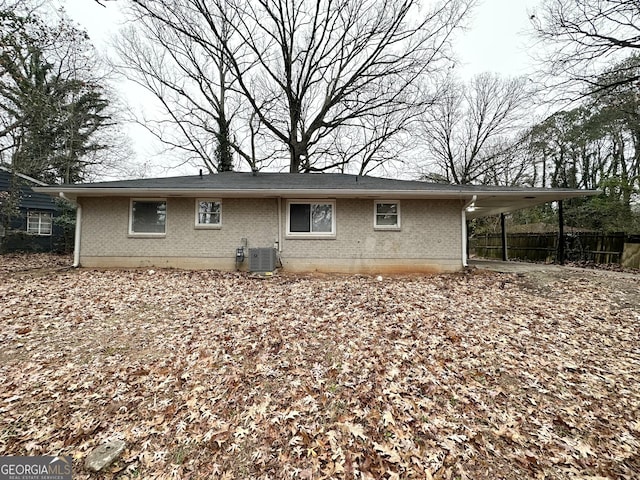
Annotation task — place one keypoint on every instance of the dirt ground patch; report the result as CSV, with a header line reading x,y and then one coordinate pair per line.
x,y
542,277
204,374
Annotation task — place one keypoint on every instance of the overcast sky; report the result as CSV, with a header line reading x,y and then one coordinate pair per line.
x,y
495,41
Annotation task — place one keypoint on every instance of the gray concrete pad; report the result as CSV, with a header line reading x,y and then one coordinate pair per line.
x,y
515,267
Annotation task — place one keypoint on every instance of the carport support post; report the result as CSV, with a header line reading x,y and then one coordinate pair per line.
x,y
560,233
503,227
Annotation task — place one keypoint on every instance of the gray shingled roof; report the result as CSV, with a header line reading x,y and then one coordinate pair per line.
x,y
28,198
240,181
487,199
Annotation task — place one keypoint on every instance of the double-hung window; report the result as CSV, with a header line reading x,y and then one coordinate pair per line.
x,y
386,215
148,217
39,223
208,213
311,218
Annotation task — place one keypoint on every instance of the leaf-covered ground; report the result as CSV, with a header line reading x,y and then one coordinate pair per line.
x,y
223,375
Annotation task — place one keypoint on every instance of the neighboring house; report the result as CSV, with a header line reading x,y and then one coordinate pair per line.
x,y
309,222
26,217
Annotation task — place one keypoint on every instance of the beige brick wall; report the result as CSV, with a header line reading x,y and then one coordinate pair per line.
x,y
105,231
430,238
430,229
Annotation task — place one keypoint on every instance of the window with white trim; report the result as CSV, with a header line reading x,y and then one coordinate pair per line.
x,y
311,218
148,216
208,213
386,215
39,223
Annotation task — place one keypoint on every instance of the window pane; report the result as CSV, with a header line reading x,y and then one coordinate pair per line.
x,y
149,216
385,208
299,214
209,213
32,224
387,220
45,224
209,218
321,218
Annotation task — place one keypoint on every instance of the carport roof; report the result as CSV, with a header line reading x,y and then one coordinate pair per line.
x,y
482,199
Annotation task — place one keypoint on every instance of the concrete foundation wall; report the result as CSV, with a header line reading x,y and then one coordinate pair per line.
x,y
373,266
430,239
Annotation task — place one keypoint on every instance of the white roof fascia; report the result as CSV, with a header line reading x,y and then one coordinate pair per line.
x,y
254,193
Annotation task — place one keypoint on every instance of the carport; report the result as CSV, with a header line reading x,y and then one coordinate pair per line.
x,y
501,203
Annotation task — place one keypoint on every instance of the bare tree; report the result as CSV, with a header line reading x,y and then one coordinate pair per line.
x,y
513,164
371,143
465,131
580,37
191,81
313,70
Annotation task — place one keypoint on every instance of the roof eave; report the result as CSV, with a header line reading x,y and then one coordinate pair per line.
x,y
293,192
254,193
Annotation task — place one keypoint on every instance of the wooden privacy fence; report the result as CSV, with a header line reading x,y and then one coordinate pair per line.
x,y
543,247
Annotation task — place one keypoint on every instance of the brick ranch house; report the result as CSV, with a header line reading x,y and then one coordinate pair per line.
x,y
308,222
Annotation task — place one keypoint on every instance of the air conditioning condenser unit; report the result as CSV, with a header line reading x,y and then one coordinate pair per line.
x,y
262,260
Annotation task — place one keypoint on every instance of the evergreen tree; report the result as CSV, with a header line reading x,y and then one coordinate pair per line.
x,y
51,105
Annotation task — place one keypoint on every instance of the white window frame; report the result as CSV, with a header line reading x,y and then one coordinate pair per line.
x,y
375,216
312,235
38,230
212,226
148,234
